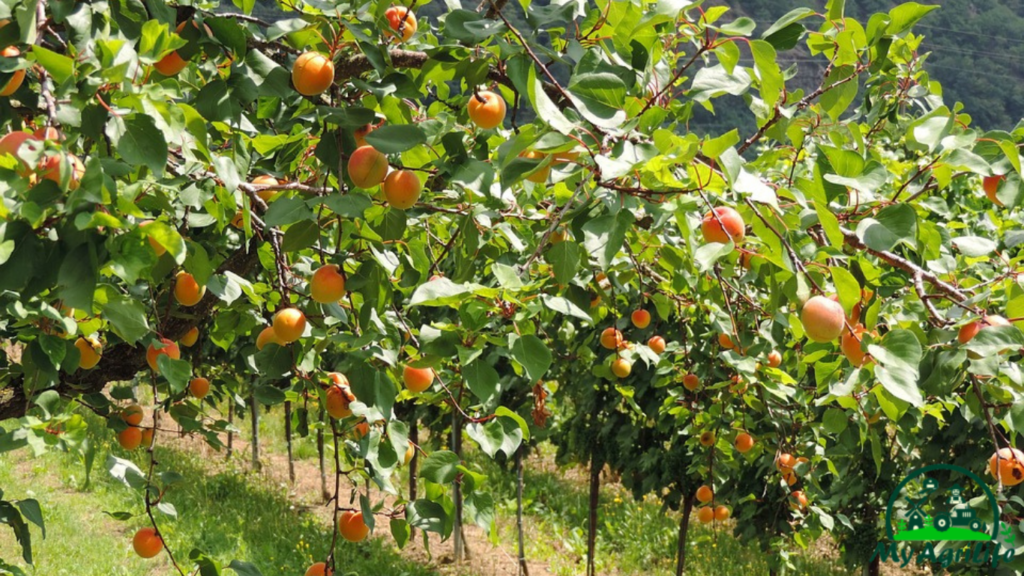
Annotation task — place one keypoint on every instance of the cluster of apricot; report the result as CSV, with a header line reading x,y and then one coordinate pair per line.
x,y
62,168
786,464
612,339
709,512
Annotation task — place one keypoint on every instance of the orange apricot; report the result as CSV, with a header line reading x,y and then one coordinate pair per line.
x,y
190,338
352,527
722,224
540,176
132,415
705,515
823,319
401,22
640,318
367,167
267,336
621,367
147,543
17,78
89,352
691,382
656,344
130,438
327,284
611,338
169,349
744,442
705,494
1007,464
402,189
187,291
312,73
289,324
199,387
264,180
417,379
486,109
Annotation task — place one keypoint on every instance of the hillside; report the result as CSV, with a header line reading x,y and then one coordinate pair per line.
x,y
971,43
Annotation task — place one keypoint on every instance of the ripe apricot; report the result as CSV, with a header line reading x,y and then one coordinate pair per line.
x,y
360,134
130,438
265,180
171,64
289,324
850,344
402,189
565,157
707,439
728,224
132,415
540,176
199,387
339,397
722,513
991,186
705,515
656,344
705,494
169,349
823,319
147,543
48,133
738,385
367,167
327,284
417,379
798,500
1007,464
410,452
785,462
312,73
89,352
621,367
790,477
969,331
187,291
190,338
744,442
691,382
640,318
486,109
267,336
318,569
238,220
361,429
611,338
157,247
725,342
17,77
401,22
12,143
352,527
147,437
774,359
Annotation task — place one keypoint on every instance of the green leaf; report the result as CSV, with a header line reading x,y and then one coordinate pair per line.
x,y
767,64
835,420
32,512
605,236
156,41
742,26
400,531
396,138
177,372
444,292
564,258
78,276
714,147
994,340
268,395
898,356
471,27
532,353
244,568
441,467
59,66
300,236
789,18
427,515
143,144
167,237
523,426
836,100
847,286
974,246
285,211
564,306
904,16
893,225
482,380
127,316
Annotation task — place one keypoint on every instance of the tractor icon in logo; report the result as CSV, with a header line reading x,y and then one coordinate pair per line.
x,y
953,519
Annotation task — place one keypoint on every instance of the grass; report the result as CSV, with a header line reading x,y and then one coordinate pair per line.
x,y
227,513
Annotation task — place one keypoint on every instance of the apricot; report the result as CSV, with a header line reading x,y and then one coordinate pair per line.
x,y
785,462
410,452
171,64
327,285
402,189
991,186
565,157
640,318
339,397
11,144
706,515
707,439
486,109
774,359
190,338
199,387
850,344
89,352
265,180
132,415
367,167
728,224
360,134
289,324
725,342
705,494
267,336
17,77
169,349
352,527
1007,464
187,291
312,73
147,437
130,438
361,429
318,569
656,344
157,247
147,543
401,21
738,385
823,319
621,367
611,338
722,513
969,331
48,133
798,500
417,379
789,477
539,176
744,442
691,382
238,220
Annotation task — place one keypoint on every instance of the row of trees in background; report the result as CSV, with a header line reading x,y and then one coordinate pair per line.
x,y
350,212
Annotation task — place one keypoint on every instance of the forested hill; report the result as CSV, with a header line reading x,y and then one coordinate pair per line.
x,y
976,46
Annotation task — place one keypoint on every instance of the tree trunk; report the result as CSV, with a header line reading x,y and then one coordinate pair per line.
x,y
684,526
288,439
231,420
595,492
254,413
874,568
324,492
524,570
414,437
459,542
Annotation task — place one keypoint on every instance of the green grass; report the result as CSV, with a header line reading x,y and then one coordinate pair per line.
x,y
227,513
